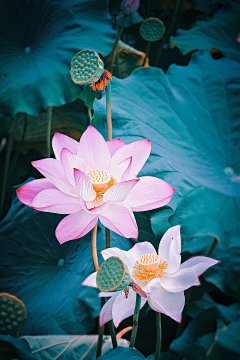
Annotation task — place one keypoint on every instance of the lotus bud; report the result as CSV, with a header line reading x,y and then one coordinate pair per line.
x,y
152,29
129,6
13,314
113,275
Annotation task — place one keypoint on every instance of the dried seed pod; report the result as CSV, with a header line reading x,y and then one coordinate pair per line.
x,y
113,275
13,314
152,29
86,67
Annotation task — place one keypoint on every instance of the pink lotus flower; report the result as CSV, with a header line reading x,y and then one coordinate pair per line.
x,y
161,277
93,179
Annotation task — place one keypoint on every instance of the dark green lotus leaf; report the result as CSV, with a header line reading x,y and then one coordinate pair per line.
x,y
226,344
194,308
47,276
217,33
207,6
38,40
163,356
225,276
203,324
122,354
203,331
52,346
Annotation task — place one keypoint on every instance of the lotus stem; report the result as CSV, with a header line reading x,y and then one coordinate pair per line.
x,y
123,332
135,320
107,238
109,118
7,161
18,151
147,53
115,45
94,248
159,336
112,333
100,334
49,125
212,247
168,32
90,115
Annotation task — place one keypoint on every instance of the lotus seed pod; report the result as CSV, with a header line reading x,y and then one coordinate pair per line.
x,y
86,67
149,261
113,275
152,29
12,309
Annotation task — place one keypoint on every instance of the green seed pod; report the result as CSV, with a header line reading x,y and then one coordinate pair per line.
x,y
10,309
86,67
113,275
152,29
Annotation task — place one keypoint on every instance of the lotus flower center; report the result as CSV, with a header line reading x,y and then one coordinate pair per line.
x,y
148,267
101,181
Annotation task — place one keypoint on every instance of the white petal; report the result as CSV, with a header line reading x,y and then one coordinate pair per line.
x,y
124,307
171,304
91,280
179,281
170,248
106,311
127,258
199,264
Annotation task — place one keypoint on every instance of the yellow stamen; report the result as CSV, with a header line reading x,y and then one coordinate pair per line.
x,y
148,267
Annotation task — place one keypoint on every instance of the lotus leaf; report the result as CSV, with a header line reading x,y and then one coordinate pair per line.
x,y
38,40
217,33
191,116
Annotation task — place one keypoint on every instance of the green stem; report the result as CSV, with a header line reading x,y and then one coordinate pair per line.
x,y
212,247
147,53
181,326
168,32
7,161
90,115
112,333
100,334
108,104
159,336
49,125
18,151
107,238
135,320
115,45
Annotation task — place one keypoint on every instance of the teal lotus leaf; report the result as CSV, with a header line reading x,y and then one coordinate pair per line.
x,y
163,356
38,40
121,354
72,347
219,32
191,116
47,276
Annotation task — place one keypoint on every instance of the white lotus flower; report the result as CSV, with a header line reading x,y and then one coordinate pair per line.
x,y
161,276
